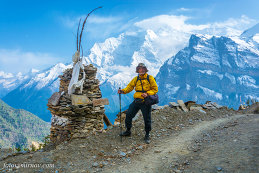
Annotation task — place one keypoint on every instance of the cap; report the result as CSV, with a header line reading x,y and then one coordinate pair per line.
x,y
141,65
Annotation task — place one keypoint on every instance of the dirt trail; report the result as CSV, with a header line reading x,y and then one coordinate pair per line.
x,y
176,149
218,141
233,149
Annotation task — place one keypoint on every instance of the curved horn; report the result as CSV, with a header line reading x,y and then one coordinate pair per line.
x,y
84,26
77,34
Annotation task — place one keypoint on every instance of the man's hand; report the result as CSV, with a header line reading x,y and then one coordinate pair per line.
x,y
144,95
120,91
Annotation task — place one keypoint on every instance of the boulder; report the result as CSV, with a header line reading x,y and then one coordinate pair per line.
x,y
208,105
216,105
173,105
189,104
182,105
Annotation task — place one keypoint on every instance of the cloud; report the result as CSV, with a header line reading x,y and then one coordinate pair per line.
x,y
184,9
68,21
241,23
195,13
157,22
173,32
230,27
14,61
104,20
72,22
98,28
169,22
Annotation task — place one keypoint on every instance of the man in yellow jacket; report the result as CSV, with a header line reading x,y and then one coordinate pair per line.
x,y
144,85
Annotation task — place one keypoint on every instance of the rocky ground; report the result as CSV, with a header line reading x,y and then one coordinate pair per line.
x,y
219,140
231,147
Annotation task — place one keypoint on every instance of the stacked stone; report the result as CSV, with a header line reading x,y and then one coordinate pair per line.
x,y
191,105
76,120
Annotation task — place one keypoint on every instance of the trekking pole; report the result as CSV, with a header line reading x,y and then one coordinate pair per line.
x,y
120,114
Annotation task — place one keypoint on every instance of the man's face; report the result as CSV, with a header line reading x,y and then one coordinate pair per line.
x,y
141,70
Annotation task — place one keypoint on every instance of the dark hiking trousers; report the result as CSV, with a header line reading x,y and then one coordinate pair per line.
x,y
133,110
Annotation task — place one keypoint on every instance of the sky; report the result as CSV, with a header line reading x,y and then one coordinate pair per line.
x,y
40,33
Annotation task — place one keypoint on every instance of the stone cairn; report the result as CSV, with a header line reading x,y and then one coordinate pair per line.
x,y
78,114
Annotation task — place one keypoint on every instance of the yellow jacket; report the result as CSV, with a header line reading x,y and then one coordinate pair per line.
x,y
150,88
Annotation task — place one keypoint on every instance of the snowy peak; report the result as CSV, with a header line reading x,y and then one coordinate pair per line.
x,y
7,82
4,75
115,51
223,51
117,58
47,77
252,33
251,37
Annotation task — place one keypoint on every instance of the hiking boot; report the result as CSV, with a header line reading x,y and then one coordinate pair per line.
x,y
147,139
126,133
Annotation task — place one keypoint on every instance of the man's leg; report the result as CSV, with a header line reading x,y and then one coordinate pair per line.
x,y
146,111
132,111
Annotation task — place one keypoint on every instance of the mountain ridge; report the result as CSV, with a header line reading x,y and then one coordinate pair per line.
x,y
19,128
209,70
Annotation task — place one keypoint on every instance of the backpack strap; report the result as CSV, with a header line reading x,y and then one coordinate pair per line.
x,y
148,79
142,86
138,78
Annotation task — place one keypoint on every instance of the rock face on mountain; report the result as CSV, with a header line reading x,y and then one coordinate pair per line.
x,y
211,68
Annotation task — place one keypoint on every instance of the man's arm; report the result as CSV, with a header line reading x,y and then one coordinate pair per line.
x,y
130,86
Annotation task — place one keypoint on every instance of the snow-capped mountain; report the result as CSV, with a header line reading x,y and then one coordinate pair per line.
x,y
212,68
118,57
9,81
33,94
251,35
152,41
251,32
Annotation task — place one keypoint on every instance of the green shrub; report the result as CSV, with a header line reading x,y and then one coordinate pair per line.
x,y
46,141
